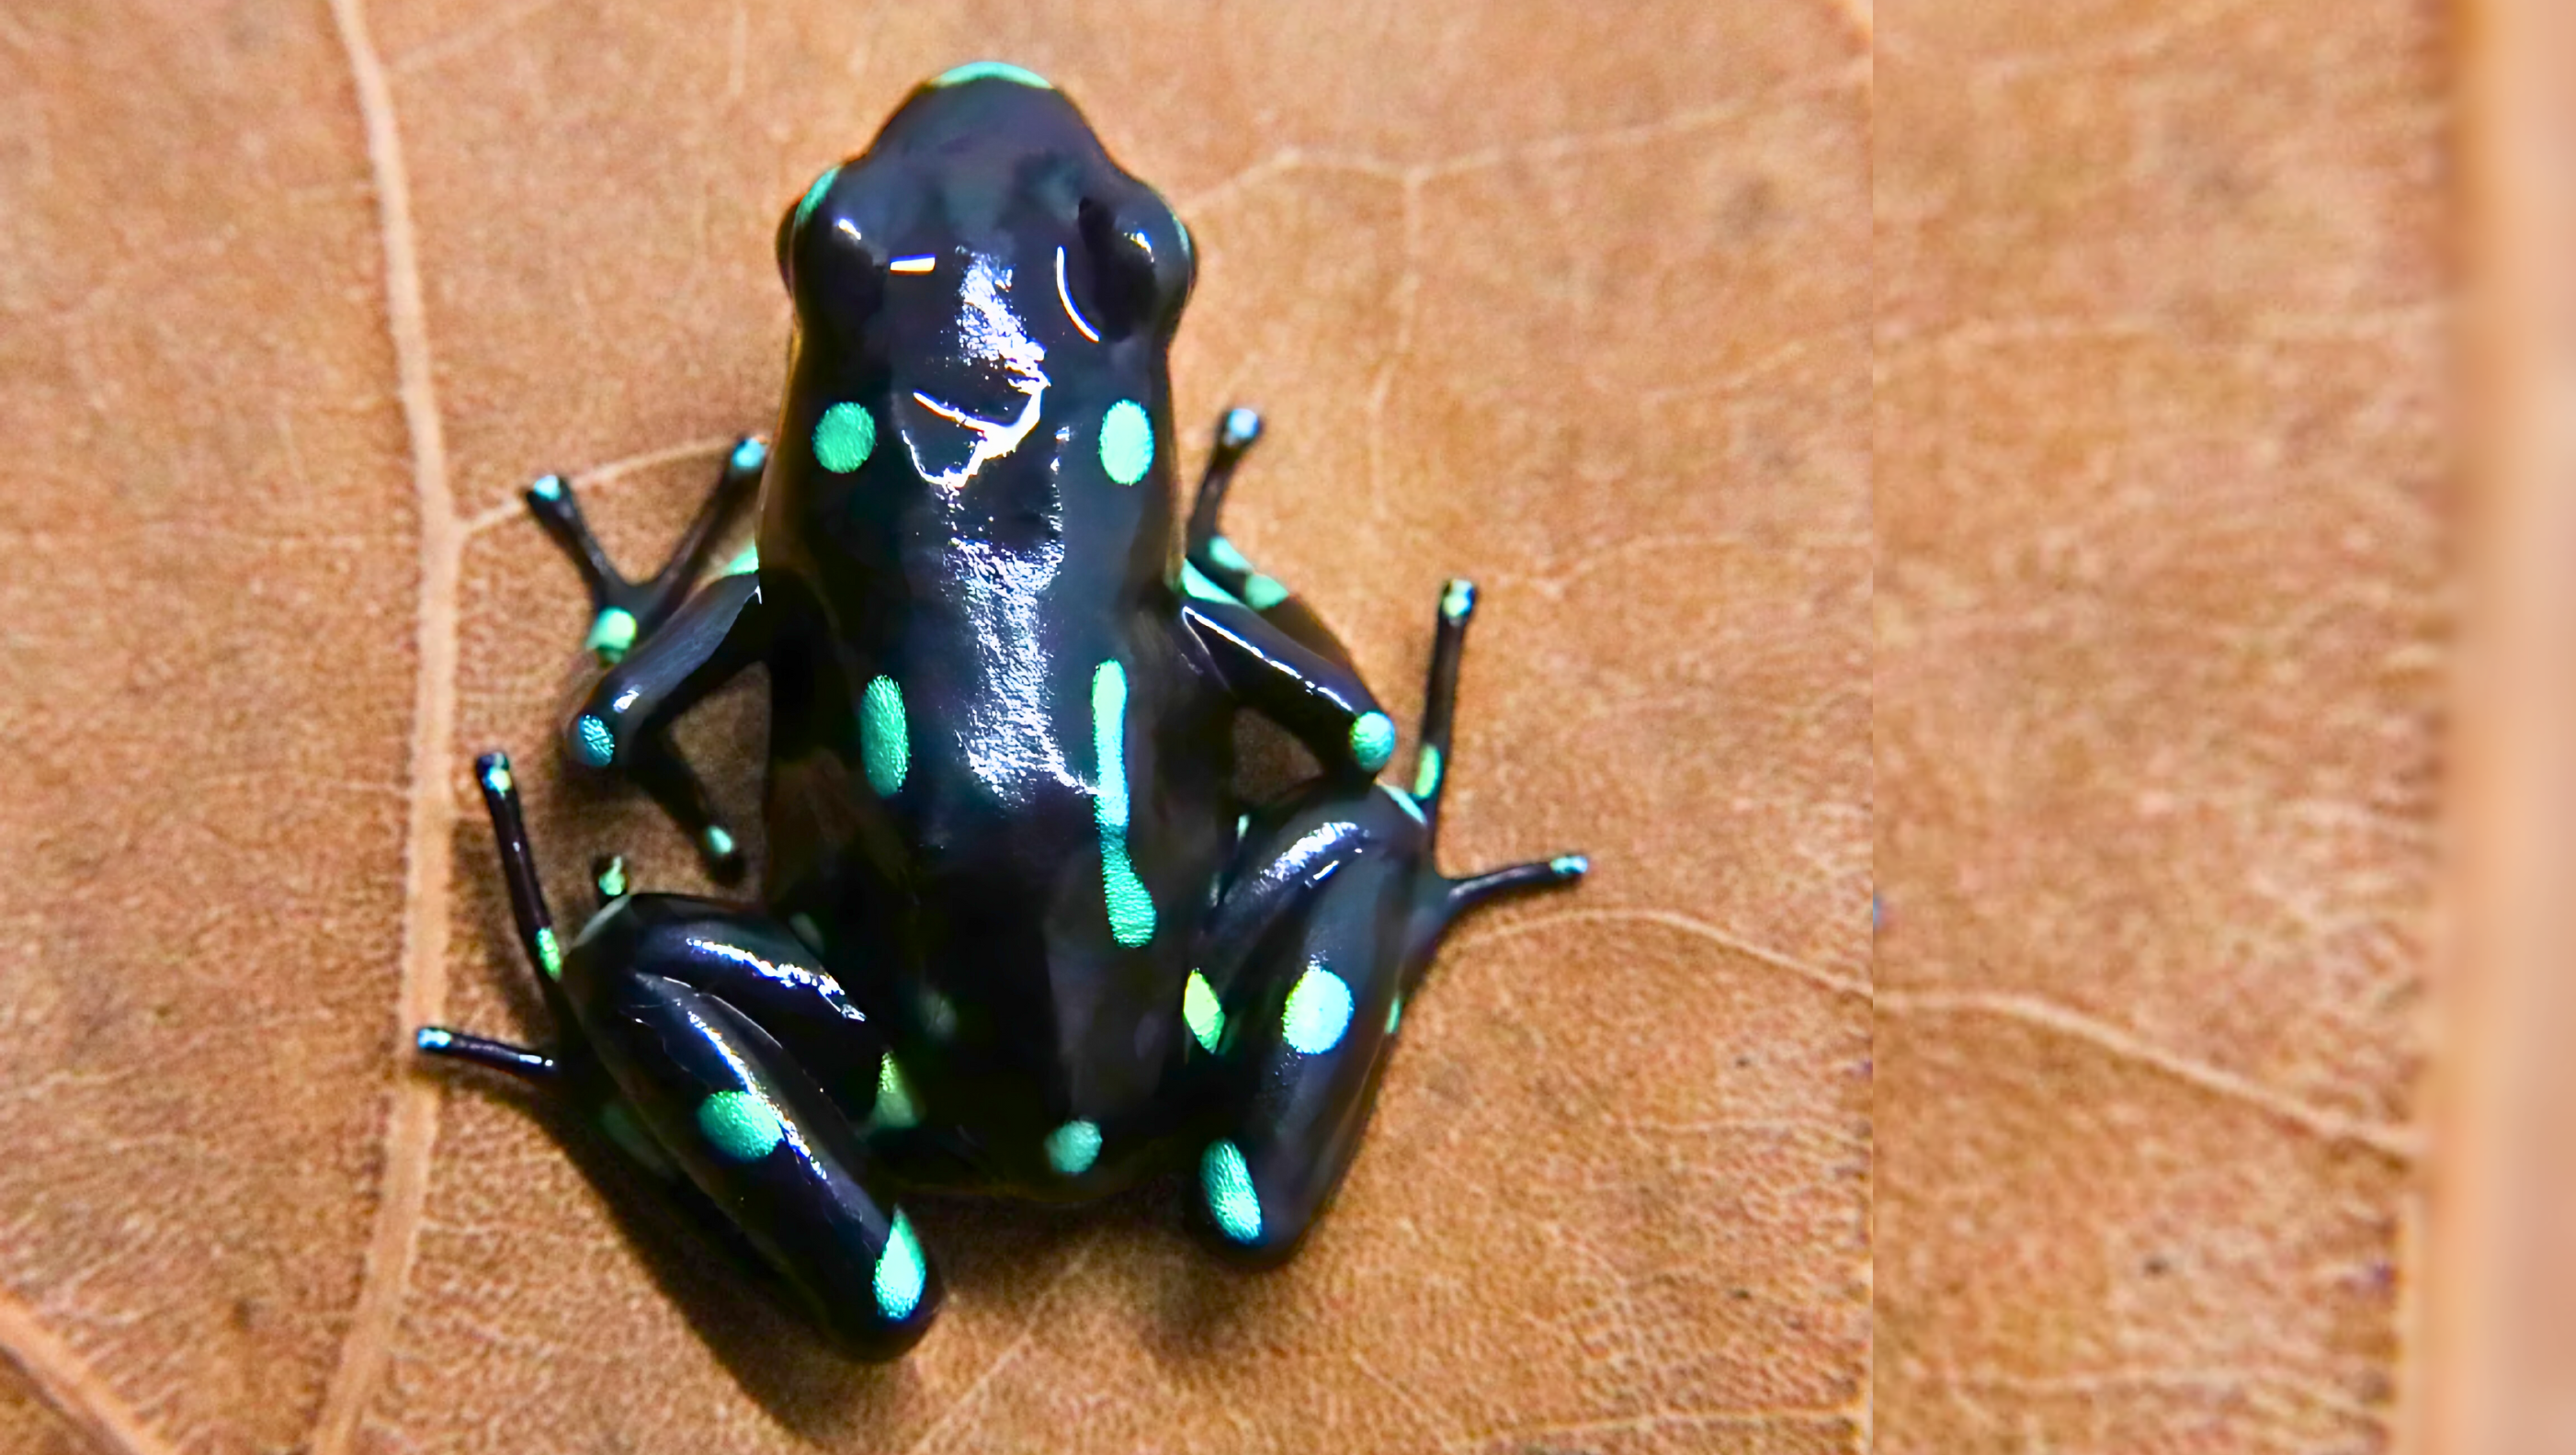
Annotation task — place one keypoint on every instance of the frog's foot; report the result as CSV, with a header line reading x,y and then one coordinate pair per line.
x,y
1223,571
1431,778
624,612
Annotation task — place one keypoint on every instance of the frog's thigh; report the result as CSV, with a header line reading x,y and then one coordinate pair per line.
x,y
1302,1032
748,1125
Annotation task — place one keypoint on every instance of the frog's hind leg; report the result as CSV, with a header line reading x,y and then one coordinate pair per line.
x,y
624,612
1306,971
536,933
1224,569
696,1031
1432,762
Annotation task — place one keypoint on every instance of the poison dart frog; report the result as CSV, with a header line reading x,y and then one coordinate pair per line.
x,y
1016,934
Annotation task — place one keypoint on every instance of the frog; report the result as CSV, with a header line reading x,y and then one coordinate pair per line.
x,y
1018,932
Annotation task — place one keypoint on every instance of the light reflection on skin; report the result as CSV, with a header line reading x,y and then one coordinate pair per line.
x,y
1010,737
989,331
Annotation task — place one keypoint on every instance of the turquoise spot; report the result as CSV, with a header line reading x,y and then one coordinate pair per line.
x,y
549,952
433,1038
813,197
895,1106
631,1138
746,563
991,71
1263,592
1319,1010
1131,907
1190,250
1223,552
1126,442
1372,741
718,842
612,632
1394,1014
598,749
1227,1184
497,777
1572,866
885,747
1196,583
1457,600
1202,1011
740,1124
899,1271
844,437
1073,1147
612,878
750,455
1426,772
547,487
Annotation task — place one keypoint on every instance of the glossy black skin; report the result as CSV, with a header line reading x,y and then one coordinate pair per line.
x,y
986,261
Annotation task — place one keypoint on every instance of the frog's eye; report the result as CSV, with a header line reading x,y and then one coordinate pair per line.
x,y
791,223
1134,272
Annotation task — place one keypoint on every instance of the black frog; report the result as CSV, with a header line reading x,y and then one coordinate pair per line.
x,y
1016,933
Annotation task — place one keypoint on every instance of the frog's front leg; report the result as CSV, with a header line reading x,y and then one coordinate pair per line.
x,y
700,1030
625,722
624,612
1300,1024
1319,700
1221,565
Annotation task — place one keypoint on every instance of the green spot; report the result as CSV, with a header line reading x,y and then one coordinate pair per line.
x,y
1131,907
1222,551
991,71
895,1106
612,632
612,878
1572,866
719,843
549,952
740,1124
1372,741
844,437
750,455
1426,772
813,197
631,1138
884,744
1394,1014
1263,592
598,748
899,1271
1227,1184
1457,600
1126,442
1195,582
1073,1147
497,777
1318,1011
746,563
1201,1009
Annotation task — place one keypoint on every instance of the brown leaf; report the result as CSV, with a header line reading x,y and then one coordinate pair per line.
x,y
1573,301
2160,457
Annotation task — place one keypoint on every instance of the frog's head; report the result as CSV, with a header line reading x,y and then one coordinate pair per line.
x,y
983,302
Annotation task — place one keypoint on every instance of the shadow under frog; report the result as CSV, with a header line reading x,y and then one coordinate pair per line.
x,y
1017,934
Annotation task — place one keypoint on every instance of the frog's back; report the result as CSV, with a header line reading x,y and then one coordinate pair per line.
x,y
990,797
